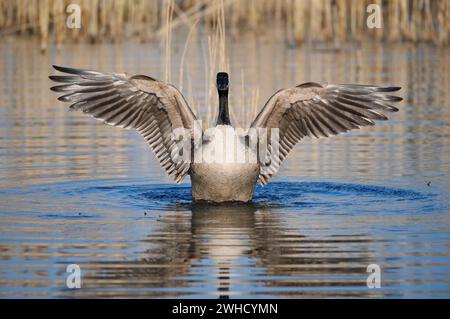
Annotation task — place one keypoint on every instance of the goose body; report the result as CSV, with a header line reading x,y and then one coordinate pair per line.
x,y
224,164
221,176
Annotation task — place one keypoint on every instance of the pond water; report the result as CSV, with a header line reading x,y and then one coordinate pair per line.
x,y
75,191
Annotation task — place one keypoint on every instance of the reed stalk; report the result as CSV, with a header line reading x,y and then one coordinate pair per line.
x,y
167,40
303,20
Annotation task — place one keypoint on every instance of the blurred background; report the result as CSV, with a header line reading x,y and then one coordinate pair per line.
x,y
73,190
300,20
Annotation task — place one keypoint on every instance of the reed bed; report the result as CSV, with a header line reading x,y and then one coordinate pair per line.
x,y
301,20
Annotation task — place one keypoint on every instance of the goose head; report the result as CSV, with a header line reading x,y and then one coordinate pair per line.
x,y
222,81
222,89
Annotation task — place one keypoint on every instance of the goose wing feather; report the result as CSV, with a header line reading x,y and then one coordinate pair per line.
x,y
316,110
154,108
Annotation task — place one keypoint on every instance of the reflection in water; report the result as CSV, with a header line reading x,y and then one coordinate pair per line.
x,y
216,249
296,247
75,191
224,235
296,239
204,247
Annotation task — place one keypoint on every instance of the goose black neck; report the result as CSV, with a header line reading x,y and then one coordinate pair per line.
x,y
223,117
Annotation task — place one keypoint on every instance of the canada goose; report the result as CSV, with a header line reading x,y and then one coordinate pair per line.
x,y
157,110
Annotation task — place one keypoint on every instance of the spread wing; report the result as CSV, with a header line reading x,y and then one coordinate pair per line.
x,y
311,109
155,109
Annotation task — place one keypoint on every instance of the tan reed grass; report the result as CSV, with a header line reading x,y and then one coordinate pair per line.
x,y
303,20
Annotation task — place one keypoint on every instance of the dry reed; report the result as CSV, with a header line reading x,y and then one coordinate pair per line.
x,y
303,20
167,40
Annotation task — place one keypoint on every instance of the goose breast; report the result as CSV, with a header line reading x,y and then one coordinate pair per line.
x,y
227,169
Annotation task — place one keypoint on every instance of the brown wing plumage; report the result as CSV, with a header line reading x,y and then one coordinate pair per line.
x,y
155,109
311,109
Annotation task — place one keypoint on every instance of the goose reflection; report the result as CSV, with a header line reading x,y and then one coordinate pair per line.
x,y
224,234
193,249
233,250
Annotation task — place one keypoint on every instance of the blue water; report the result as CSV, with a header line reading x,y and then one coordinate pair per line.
x,y
295,239
74,191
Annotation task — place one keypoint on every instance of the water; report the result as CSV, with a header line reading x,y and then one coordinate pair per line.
x,y
74,191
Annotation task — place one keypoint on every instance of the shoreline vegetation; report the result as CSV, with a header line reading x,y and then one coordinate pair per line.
x,y
300,20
